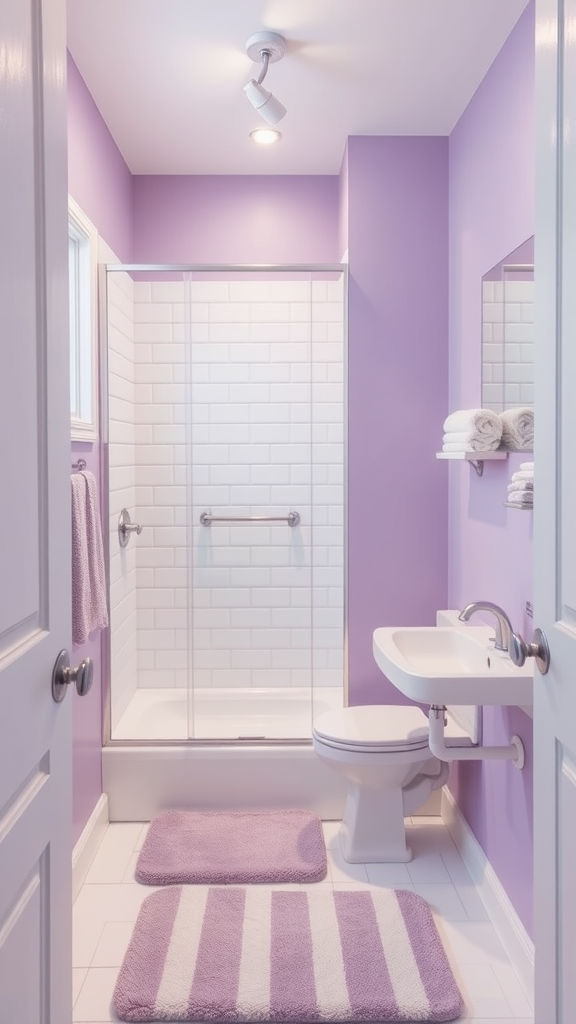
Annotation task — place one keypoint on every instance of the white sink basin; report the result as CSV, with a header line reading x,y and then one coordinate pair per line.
x,y
449,665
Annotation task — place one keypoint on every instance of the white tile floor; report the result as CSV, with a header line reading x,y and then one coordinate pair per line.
x,y
108,903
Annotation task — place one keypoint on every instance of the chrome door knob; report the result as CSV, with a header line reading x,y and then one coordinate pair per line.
x,y
63,675
519,650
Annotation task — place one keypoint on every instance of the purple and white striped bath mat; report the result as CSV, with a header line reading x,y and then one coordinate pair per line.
x,y
222,847
258,954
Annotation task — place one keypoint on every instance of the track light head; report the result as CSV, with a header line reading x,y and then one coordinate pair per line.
x,y
266,47
264,102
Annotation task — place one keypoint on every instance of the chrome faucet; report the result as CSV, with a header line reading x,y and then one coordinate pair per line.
x,y
503,624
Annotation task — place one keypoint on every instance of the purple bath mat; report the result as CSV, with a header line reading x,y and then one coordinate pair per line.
x,y
259,954
219,847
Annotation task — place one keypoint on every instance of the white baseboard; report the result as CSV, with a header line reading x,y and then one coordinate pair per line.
x,y
85,850
508,926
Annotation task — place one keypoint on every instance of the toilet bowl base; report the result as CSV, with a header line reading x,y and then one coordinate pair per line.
x,y
372,829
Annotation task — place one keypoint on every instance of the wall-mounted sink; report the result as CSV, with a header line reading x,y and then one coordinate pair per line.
x,y
450,665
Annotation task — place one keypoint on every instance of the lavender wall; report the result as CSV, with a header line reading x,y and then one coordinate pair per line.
x,y
236,219
98,177
490,548
397,394
100,182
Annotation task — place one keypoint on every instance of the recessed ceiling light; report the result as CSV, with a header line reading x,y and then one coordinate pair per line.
x,y
265,136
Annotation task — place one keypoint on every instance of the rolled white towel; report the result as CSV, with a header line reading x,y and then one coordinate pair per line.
x,y
524,474
517,428
527,466
482,426
522,498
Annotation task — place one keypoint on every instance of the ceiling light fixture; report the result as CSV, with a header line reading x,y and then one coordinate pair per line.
x,y
267,47
265,136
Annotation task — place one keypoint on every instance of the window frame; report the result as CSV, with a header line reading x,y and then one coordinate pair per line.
x,y
84,339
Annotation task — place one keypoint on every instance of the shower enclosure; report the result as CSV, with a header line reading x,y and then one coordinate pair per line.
x,y
224,405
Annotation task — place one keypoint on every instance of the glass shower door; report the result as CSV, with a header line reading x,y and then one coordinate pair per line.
x,y
250,468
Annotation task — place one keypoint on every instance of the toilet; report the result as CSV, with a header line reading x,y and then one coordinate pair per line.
x,y
383,752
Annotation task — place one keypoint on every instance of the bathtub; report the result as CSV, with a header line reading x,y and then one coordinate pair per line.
x,y
251,749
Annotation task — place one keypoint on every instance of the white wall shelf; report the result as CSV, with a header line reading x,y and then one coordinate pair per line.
x,y
476,459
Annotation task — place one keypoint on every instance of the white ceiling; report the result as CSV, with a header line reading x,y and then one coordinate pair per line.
x,y
168,75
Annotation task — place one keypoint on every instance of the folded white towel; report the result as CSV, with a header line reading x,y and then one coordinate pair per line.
x,y
522,485
522,498
527,466
482,427
470,445
517,428
524,474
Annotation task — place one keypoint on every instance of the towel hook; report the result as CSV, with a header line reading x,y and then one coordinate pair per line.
x,y
80,465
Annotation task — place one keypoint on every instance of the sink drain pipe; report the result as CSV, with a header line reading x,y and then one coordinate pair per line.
x,y
437,722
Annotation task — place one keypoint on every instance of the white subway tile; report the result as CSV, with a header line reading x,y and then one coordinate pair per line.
x,y
232,474
172,660
168,291
269,312
292,618
155,639
270,332
170,618
208,454
168,434
229,373
247,618
300,433
269,433
146,619
291,576
247,393
155,475
253,577
231,677
229,312
218,576
152,557
290,291
152,333
290,658
203,658
212,618
166,394
249,291
210,291
155,598
249,454
169,578
251,659
291,453
230,639
232,597
265,413
251,495
272,556
252,353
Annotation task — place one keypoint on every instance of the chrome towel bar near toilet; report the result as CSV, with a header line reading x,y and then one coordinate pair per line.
x,y
293,519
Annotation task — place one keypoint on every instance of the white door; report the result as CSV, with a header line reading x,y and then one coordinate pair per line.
x,y
555,513
35,732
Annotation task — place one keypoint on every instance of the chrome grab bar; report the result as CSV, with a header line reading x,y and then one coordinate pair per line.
x,y
293,519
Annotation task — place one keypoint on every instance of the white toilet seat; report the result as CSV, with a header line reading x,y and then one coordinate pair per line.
x,y
373,729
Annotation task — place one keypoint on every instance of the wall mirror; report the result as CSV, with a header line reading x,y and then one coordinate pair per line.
x,y
508,331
